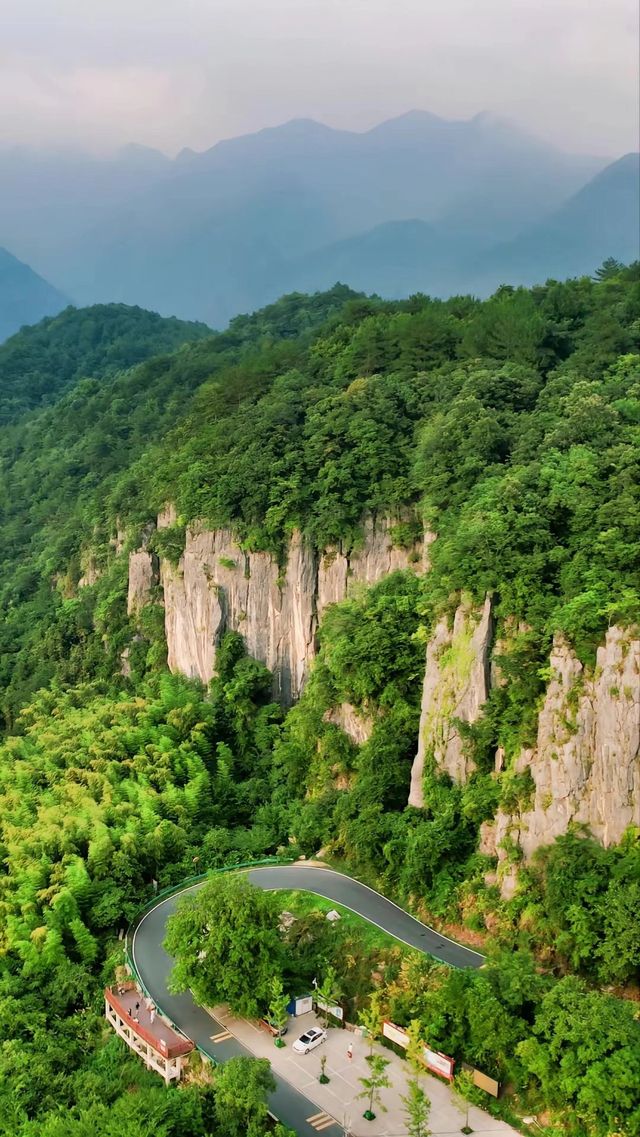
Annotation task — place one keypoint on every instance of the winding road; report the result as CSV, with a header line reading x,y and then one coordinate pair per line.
x,y
153,965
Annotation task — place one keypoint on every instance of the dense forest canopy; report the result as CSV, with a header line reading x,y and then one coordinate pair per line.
x,y
510,425
511,429
40,362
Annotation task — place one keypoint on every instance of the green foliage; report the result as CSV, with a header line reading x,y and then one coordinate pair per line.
x,y
40,362
241,1089
586,901
169,542
70,477
278,1003
100,795
370,1019
585,1054
417,1108
512,427
462,1093
329,991
515,423
373,1083
226,943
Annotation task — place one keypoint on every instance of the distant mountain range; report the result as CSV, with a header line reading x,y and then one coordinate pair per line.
x,y
25,298
400,258
418,203
601,220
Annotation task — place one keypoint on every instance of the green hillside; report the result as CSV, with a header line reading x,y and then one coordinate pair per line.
x,y
40,362
511,429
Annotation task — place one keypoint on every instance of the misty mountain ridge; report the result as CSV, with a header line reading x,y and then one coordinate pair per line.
x,y
398,259
25,298
417,202
601,220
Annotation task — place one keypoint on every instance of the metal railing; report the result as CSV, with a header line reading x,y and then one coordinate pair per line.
x,y
170,890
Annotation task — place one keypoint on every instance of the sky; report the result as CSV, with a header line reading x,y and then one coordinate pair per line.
x,y
172,73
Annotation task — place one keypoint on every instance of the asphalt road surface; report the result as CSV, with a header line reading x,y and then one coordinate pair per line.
x,y
153,965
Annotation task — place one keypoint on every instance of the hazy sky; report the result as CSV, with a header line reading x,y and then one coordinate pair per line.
x,y
173,73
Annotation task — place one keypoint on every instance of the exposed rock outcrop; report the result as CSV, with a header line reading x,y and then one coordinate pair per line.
x,y
357,725
217,587
142,577
167,516
585,765
456,684
340,569
117,542
90,571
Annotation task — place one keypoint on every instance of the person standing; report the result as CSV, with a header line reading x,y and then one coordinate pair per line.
x,y
350,1051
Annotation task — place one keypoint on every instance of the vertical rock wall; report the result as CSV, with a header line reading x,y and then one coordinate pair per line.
x,y
142,577
218,587
456,684
585,765
341,569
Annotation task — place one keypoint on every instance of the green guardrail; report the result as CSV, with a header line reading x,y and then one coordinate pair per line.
x,y
188,881
170,891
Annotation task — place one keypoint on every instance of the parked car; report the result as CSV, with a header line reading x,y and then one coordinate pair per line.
x,y
309,1040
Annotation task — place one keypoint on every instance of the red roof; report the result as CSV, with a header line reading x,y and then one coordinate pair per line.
x,y
158,1034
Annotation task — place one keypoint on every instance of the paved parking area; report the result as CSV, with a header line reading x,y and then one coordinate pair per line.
x,y
338,1101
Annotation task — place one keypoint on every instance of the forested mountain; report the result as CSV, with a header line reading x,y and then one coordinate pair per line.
x,y
38,363
402,257
425,514
211,234
24,296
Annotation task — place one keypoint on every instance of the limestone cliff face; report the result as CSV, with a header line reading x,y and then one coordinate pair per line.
x,y
585,765
90,571
216,586
355,723
456,684
340,569
142,577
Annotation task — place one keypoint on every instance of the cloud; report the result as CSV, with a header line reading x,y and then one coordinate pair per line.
x,y
188,72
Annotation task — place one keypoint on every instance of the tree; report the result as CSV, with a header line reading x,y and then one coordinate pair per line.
x,y
226,943
328,993
585,1054
417,1104
415,1048
609,268
241,1086
278,1014
461,1087
370,1019
417,1109
377,1080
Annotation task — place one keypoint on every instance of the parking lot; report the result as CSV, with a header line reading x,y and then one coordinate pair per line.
x,y
339,1099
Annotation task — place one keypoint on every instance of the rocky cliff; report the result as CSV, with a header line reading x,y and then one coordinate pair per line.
x,y
456,684
216,586
142,576
585,766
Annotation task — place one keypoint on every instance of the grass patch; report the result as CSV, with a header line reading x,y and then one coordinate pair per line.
x,y
302,903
